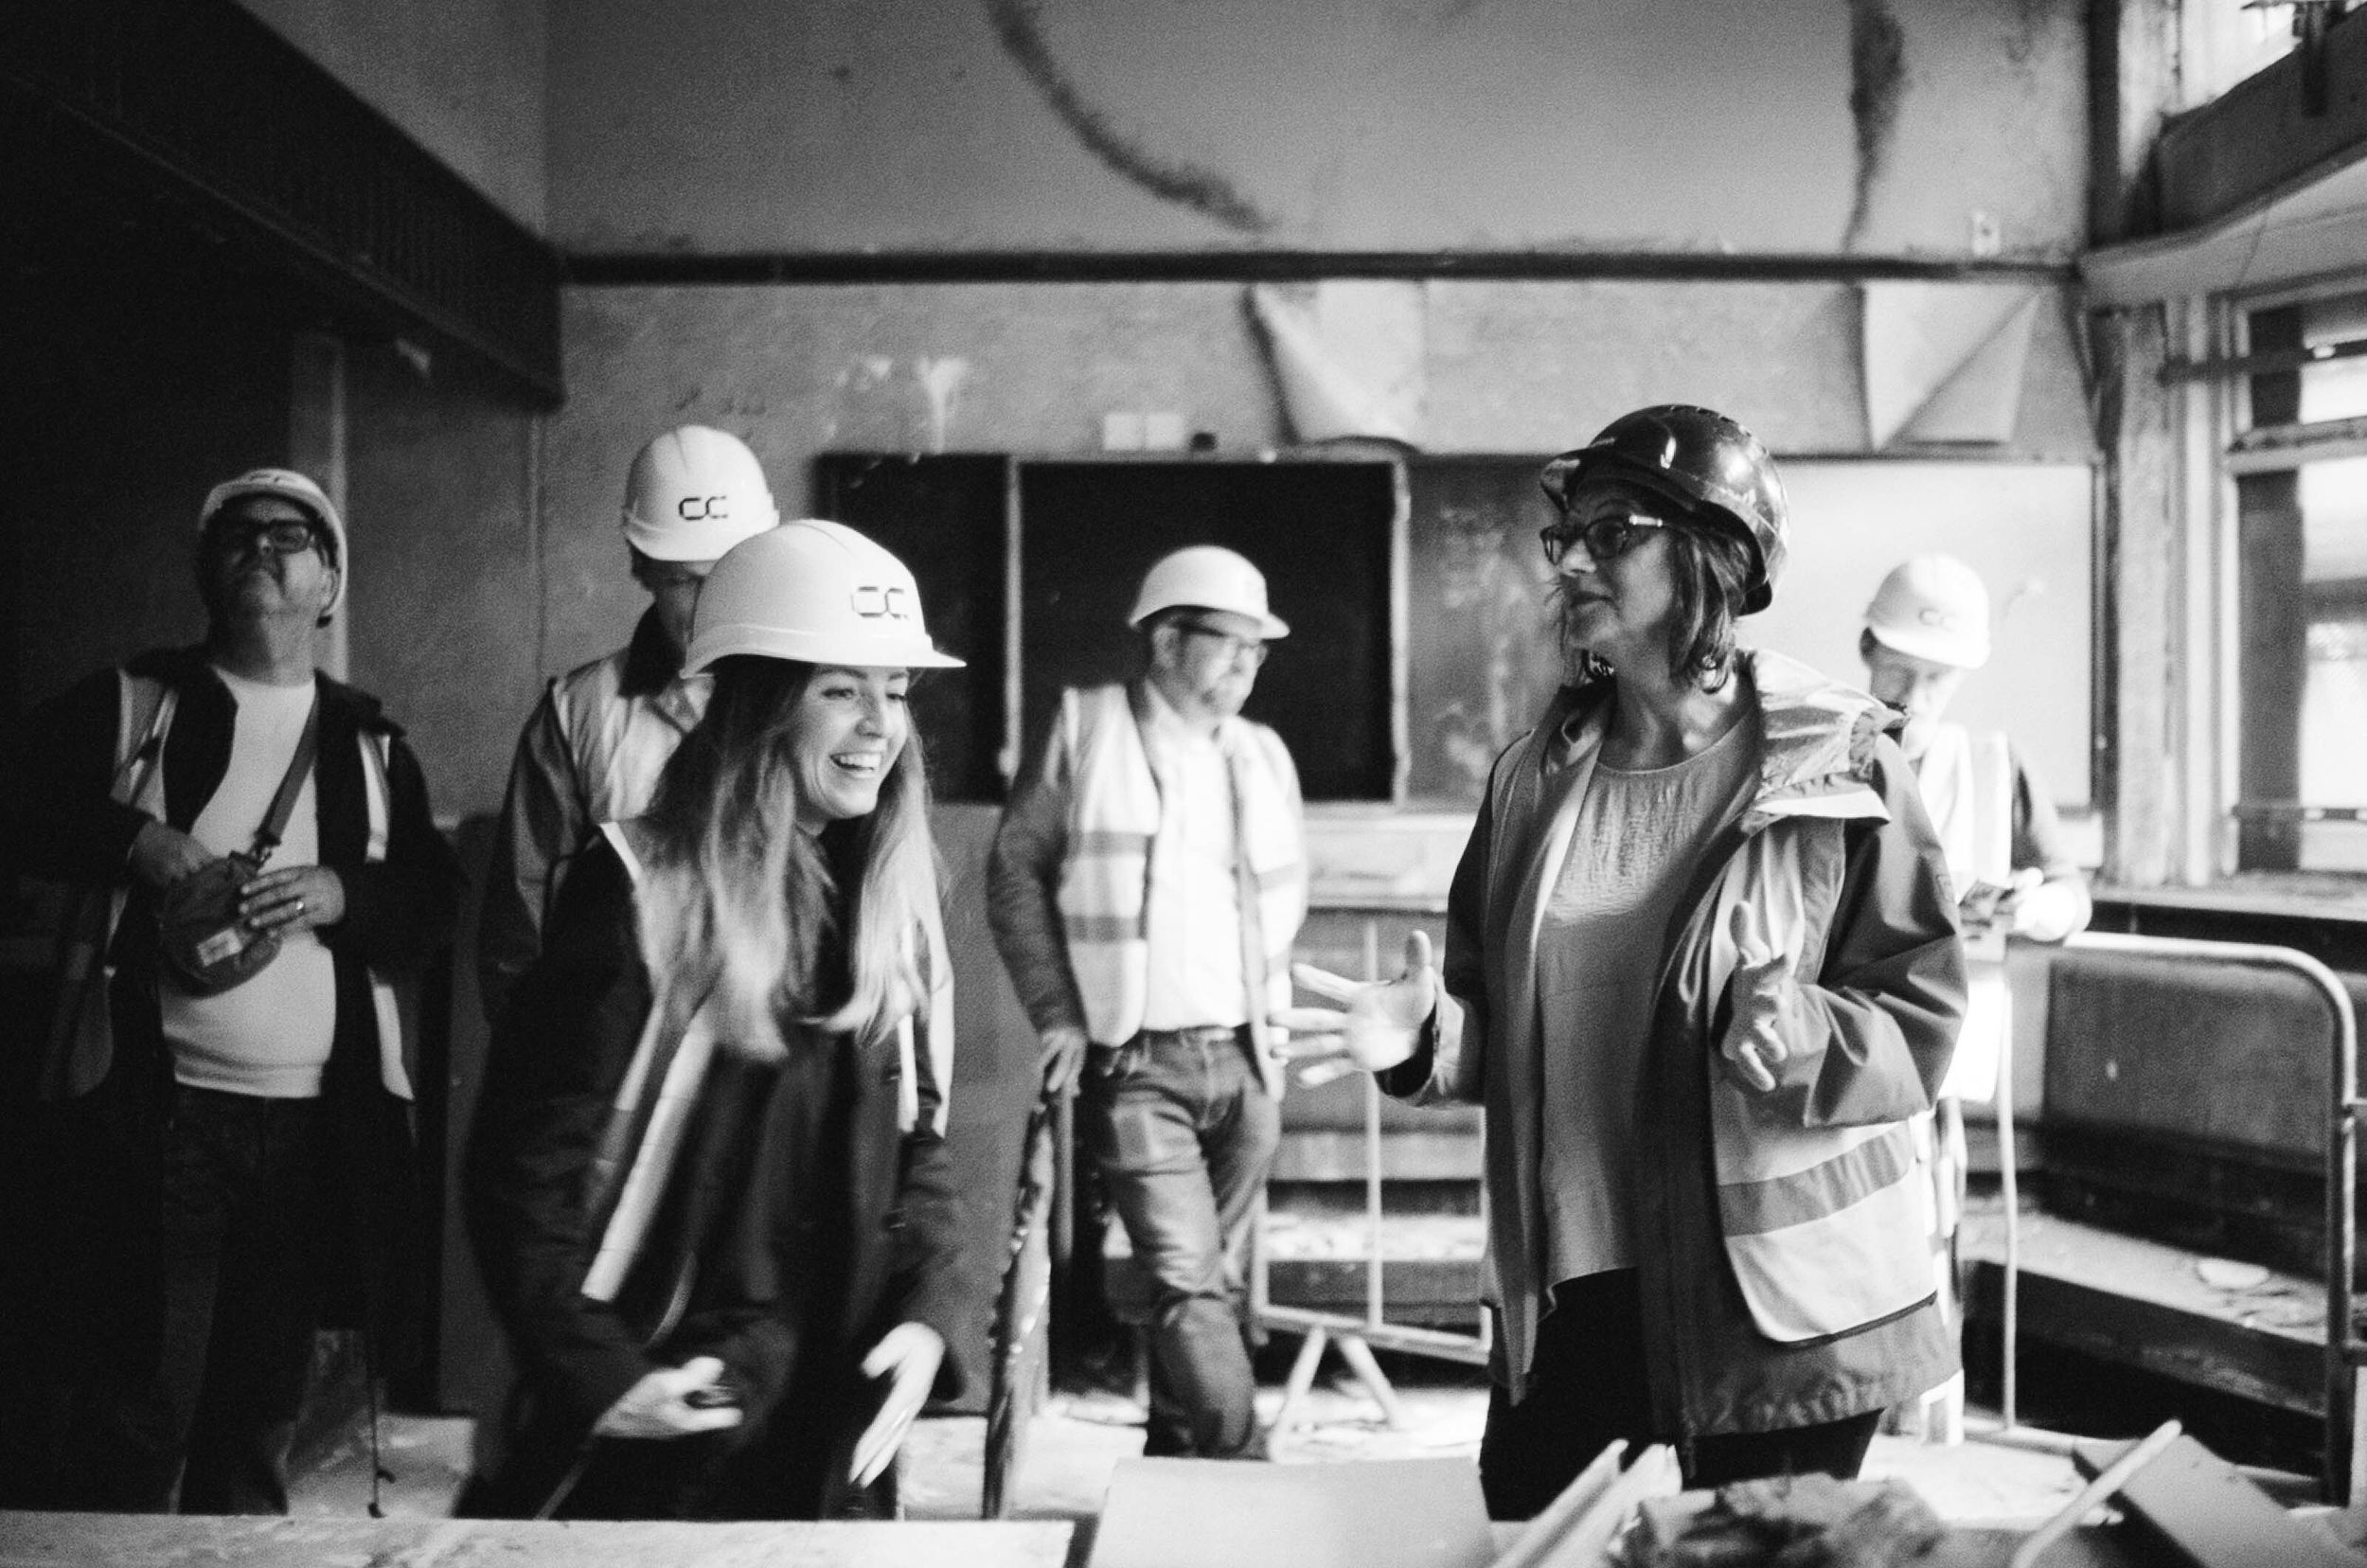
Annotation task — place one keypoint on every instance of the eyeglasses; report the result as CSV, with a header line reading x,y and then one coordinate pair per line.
x,y
282,538
1235,648
1606,535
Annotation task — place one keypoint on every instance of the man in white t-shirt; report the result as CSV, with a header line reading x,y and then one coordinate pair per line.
x,y
246,1172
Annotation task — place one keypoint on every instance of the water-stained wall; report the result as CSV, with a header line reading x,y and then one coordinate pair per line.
x,y
719,126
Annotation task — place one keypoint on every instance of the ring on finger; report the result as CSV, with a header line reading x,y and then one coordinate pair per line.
x,y
299,906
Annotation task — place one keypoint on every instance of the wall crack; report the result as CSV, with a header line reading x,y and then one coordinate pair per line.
x,y
1019,26
1877,84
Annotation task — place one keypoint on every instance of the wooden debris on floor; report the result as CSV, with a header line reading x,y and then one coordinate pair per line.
x,y
2211,1514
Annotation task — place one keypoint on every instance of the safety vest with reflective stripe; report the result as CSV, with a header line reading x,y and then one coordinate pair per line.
x,y
1116,826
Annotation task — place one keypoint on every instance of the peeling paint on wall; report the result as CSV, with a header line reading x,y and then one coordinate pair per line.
x,y
1203,190
940,383
1877,81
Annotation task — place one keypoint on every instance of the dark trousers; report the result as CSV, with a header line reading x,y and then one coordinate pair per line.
x,y
1183,1133
1587,1390
211,1401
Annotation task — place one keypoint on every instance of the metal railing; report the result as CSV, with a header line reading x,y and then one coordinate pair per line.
x,y
2346,1352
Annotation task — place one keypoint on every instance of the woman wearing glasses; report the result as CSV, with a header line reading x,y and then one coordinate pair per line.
x,y
1701,968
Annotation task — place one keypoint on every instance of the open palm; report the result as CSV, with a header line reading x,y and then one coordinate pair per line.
x,y
1377,1024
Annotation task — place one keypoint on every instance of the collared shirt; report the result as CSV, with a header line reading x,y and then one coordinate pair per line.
x,y
1193,918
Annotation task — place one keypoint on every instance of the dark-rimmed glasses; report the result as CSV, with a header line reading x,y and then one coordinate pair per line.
x,y
284,537
1606,535
1236,647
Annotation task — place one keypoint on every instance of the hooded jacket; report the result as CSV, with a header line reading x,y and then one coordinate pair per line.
x,y
1785,1270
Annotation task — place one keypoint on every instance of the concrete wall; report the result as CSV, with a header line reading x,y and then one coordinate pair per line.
x,y
710,126
446,609
465,77
1505,368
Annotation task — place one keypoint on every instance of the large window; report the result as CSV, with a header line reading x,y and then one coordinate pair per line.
x,y
2300,469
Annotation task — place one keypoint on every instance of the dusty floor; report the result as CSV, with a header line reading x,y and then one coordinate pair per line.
x,y
1076,1440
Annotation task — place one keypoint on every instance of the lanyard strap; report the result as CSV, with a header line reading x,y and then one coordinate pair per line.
x,y
284,804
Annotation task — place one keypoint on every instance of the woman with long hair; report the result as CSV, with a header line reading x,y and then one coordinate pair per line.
x,y
1702,972
708,1183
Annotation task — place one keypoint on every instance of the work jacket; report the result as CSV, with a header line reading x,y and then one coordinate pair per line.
x,y
1782,1237
1069,881
564,1112
402,890
591,753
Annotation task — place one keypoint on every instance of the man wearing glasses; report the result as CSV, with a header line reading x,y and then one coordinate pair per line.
x,y
1146,883
242,1169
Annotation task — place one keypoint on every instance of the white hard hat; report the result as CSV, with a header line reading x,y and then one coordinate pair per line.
x,y
814,590
288,485
1935,608
693,494
1205,577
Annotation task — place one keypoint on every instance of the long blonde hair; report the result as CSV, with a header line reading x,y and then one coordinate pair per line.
x,y
738,902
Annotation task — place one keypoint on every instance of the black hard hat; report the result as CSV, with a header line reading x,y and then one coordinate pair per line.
x,y
1706,459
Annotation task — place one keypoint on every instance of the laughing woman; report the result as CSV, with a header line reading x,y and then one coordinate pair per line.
x,y
1701,970
708,1184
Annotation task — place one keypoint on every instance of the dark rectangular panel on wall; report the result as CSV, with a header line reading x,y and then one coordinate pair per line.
x,y
1321,532
946,517
1480,657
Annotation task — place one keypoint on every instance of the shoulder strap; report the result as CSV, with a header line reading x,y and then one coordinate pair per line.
x,y
291,785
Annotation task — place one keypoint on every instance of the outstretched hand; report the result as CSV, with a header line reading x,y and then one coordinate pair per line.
x,y
1761,993
908,1356
1379,1022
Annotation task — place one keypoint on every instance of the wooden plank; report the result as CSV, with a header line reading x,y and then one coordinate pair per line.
x,y
146,1540
2120,1328
2205,1510
2288,1305
1195,1513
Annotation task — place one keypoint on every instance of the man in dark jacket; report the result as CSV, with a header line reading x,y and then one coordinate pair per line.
x,y
239,1166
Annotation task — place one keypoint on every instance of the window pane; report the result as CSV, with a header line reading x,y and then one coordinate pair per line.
x,y
2334,714
2338,388
2333,520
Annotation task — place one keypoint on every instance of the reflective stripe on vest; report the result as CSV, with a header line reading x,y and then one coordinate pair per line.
x,y
1826,1227
1116,826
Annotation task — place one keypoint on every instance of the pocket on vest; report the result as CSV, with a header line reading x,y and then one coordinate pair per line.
x,y
1835,1246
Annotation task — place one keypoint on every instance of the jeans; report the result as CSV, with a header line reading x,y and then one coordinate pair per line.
x,y
1184,1133
212,1402
1587,1389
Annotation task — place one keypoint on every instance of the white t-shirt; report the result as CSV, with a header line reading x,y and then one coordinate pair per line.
x,y
1638,840
269,1037
1192,919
